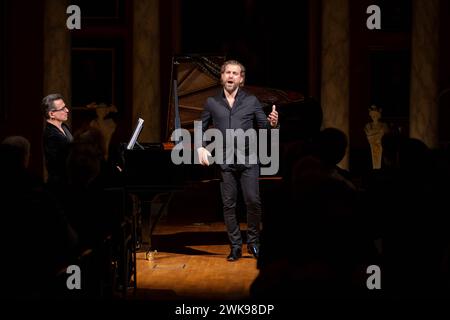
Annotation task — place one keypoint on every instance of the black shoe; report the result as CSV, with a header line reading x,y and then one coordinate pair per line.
x,y
253,250
235,254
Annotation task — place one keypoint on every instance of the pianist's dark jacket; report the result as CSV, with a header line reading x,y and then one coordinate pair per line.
x,y
56,150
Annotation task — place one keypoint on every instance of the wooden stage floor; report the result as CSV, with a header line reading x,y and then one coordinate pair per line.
x,y
190,263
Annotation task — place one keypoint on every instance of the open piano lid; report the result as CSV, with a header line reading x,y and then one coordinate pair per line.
x,y
198,77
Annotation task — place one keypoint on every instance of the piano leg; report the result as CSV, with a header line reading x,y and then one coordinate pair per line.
x,y
163,200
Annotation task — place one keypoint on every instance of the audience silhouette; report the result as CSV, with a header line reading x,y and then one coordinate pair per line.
x,y
37,239
395,219
324,250
412,212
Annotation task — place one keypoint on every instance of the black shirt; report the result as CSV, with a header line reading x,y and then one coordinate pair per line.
x,y
56,150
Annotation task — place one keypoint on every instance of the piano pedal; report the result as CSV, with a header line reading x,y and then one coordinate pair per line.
x,y
150,255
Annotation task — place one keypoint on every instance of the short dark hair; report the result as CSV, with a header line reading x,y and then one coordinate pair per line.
x,y
48,103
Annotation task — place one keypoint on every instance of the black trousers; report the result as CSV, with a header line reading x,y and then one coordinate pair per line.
x,y
249,181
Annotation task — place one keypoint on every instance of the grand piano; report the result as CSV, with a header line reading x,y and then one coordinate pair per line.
x,y
149,172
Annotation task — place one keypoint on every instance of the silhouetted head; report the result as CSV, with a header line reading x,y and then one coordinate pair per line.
x,y
414,154
331,145
18,149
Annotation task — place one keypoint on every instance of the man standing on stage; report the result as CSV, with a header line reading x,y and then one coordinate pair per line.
x,y
235,109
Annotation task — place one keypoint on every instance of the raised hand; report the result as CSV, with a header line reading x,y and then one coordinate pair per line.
x,y
273,117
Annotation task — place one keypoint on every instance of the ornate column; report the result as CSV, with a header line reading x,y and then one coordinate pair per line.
x,y
57,53
146,70
57,50
335,66
423,111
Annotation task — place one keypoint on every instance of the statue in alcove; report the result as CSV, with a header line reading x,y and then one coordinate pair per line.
x,y
375,130
104,122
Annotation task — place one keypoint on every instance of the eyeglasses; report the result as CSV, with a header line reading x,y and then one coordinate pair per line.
x,y
62,109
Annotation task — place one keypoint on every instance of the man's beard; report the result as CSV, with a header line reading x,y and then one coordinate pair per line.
x,y
230,87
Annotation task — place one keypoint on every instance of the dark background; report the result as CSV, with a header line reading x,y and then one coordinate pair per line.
x,y
269,39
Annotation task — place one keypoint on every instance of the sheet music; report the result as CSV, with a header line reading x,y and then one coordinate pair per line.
x,y
136,133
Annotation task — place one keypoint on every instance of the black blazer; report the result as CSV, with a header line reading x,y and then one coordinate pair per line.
x,y
56,150
246,113
246,110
